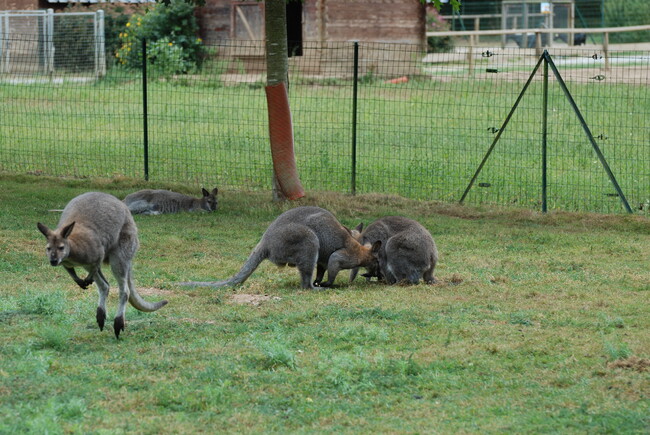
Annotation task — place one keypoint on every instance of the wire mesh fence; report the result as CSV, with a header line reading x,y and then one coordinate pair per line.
x,y
411,123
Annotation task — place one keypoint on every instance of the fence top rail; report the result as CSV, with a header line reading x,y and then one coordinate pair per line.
x,y
42,13
539,30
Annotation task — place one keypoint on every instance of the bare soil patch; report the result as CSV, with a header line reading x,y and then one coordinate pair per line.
x,y
255,300
632,363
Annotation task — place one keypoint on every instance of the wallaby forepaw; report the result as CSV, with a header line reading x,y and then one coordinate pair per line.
x,y
118,326
101,318
84,283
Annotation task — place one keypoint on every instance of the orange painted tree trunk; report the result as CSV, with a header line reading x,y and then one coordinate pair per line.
x,y
286,184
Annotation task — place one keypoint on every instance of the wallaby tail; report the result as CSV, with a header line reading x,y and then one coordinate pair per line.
x,y
141,305
258,255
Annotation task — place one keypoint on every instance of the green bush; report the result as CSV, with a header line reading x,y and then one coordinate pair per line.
x,y
628,13
171,34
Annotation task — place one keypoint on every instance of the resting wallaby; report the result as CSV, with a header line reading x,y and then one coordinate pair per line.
x,y
305,237
150,201
407,251
98,228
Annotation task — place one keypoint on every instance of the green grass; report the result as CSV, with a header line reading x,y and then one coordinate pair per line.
x,y
538,325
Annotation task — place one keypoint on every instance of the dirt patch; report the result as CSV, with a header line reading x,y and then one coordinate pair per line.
x,y
254,300
632,363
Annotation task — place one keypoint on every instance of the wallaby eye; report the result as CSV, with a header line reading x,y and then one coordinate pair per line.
x,y
61,248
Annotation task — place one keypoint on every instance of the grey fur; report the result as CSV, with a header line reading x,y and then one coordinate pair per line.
x,y
407,253
305,237
150,201
98,228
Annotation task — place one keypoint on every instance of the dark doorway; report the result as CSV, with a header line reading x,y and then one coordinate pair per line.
x,y
294,27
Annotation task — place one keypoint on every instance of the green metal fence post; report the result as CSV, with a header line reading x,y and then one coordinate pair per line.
x,y
145,126
544,136
355,75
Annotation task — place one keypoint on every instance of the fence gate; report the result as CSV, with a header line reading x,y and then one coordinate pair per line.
x,y
41,42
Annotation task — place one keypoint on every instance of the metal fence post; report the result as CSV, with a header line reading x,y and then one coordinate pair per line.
x,y
100,45
544,135
145,128
49,43
355,75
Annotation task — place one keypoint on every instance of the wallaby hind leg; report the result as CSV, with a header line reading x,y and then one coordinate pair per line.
x,y
102,288
306,270
121,270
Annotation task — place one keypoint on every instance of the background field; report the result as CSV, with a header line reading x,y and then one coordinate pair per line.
x,y
539,324
422,139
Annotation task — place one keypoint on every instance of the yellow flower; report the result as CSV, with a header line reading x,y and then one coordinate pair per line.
x,y
128,24
171,43
199,40
117,54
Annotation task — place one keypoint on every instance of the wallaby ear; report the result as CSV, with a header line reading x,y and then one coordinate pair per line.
x,y
65,232
205,192
359,227
215,191
43,229
376,246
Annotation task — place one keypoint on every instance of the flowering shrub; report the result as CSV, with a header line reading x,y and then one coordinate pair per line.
x,y
167,58
172,44
435,23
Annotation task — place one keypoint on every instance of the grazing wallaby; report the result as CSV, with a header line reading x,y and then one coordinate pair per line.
x,y
407,251
98,228
306,237
150,201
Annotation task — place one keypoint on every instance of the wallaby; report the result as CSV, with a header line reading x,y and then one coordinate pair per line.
x,y
305,237
407,251
150,201
98,228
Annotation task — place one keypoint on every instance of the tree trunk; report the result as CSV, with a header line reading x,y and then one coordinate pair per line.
x,y
277,63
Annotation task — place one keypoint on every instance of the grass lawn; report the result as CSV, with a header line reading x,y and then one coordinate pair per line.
x,y
538,324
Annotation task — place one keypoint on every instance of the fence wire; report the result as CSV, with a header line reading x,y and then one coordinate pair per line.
x,y
423,122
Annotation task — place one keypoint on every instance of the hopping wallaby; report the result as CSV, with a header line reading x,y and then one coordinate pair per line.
x,y
407,251
98,228
150,201
305,237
